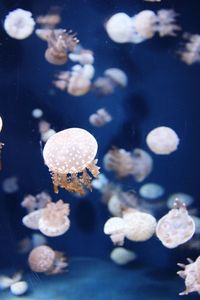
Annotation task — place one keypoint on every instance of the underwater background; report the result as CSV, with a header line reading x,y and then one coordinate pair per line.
x,y
161,90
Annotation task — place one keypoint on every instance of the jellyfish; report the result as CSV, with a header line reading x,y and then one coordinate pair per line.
x,y
37,113
186,199
6,282
59,44
191,274
123,163
45,131
25,245
19,24
82,56
19,288
115,227
112,78
44,259
54,219
51,19
191,52
10,185
162,140
70,157
176,227
31,220
100,182
124,29
100,118
32,203
122,256
76,82
151,191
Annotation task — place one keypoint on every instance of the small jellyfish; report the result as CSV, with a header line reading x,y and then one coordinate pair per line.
x,y
37,113
162,140
54,219
59,44
176,227
10,185
70,157
19,24
115,227
112,78
76,82
32,219
100,182
191,275
45,131
122,256
51,19
45,33
190,54
100,118
6,282
151,191
186,199
32,203
19,288
44,259
82,56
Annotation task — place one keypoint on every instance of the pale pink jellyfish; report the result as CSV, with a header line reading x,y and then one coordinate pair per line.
x,y
51,19
54,219
176,227
138,164
45,130
44,259
19,24
76,82
32,203
59,44
70,157
162,140
191,52
82,56
100,118
191,275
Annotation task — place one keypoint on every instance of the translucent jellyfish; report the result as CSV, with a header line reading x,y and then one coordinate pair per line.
x,y
100,118
138,164
176,227
100,182
122,256
191,52
76,82
37,113
162,140
51,19
19,288
182,197
45,131
70,157
59,44
140,226
191,274
45,33
112,78
151,191
10,185
6,282
32,219
54,219
114,206
115,227
32,203
19,24
82,56
124,29
44,259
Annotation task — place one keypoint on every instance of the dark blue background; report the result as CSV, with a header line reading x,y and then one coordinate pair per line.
x,y
161,91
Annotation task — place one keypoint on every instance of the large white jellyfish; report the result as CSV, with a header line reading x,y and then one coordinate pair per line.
x,y
70,157
123,29
191,275
19,24
176,227
162,140
76,82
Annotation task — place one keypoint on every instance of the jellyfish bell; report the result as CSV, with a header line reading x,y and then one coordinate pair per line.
x,y
151,191
162,140
144,23
70,157
19,288
19,24
122,256
54,219
118,76
115,227
32,219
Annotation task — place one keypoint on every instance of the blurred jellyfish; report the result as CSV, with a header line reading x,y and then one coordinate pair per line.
x,y
16,285
191,52
124,29
10,185
25,245
191,274
45,33
151,191
54,219
76,82
44,259
112,79
182,197
82,56
100,182
32,203
45,131
19,288
70,157
122,256
176,227
162,140
114,206
100,118
37,113
19,24
59,44
115,227
138,164
51,19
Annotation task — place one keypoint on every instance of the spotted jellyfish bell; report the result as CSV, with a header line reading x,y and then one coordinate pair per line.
x,y
176,227
70,157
